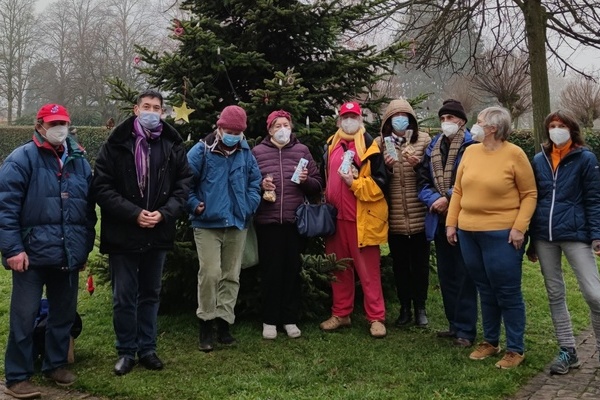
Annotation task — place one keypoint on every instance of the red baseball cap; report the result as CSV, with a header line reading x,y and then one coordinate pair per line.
x,y
53,112
351,107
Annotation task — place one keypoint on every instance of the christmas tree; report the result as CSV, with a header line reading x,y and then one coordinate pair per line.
x,y
238,51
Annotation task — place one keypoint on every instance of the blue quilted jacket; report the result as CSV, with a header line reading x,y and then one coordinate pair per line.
x,y
44,207
568,205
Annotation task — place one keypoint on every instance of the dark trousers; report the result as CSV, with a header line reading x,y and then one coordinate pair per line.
x,y
136,282
279,248
459,292
61,291
410,255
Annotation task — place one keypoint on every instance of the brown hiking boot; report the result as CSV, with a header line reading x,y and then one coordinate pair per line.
x,y
334,322
377,329
62,376
510,360
483,351
23,390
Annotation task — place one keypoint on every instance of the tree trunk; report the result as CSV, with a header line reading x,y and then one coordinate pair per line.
x,y
535,28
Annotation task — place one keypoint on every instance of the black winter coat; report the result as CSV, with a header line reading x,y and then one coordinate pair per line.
x,y
115,190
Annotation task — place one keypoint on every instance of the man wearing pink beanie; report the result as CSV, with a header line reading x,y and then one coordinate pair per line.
x,y
225,194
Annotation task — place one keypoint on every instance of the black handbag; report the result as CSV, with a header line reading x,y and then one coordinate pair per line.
x,y
315,220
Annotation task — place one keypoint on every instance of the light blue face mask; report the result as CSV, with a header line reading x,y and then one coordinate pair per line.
x,y
400,123
230,140
149,119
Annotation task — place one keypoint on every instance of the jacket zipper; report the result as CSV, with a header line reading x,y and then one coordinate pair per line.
x,y
281,196
404,205
554,179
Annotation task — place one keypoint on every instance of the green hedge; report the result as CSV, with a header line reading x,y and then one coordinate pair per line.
x,y
90,137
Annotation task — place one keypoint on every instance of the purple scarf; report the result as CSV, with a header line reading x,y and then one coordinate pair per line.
x,y
141,151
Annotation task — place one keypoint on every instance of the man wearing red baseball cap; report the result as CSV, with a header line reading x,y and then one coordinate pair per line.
x,y
45,245
53,123
356,178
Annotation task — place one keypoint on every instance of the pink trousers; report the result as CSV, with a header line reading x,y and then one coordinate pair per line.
x,y
366,263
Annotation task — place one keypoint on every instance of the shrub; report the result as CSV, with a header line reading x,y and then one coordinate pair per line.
x,y
90,137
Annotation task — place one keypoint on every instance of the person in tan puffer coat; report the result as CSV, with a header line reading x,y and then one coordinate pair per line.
x,y
409,247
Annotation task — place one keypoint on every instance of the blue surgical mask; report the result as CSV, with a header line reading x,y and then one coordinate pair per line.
x,y
400,123
230,140
149,119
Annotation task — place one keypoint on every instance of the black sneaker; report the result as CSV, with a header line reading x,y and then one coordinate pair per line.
x,y
566,359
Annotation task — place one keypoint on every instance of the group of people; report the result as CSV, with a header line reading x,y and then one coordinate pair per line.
x,y
471,192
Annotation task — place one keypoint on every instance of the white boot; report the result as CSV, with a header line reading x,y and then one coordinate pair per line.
x,y
269,331
292,330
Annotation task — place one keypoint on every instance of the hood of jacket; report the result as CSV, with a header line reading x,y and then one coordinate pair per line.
x,y
403,106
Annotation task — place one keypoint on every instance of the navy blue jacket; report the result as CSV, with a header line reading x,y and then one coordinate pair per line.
x,y
44,207
428,193
568,205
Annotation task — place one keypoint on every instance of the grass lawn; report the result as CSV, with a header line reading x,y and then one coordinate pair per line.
x,y
408,364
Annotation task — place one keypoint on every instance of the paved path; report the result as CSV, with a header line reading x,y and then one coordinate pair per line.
x,y
582,383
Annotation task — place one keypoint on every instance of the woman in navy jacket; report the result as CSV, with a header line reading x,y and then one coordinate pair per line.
x,y
567,220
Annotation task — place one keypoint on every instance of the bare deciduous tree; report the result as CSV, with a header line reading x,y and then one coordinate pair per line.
x,y
443,29
16,48
581,97
461,88
506,78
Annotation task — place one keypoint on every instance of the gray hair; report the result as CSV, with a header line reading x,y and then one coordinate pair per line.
x,y
500,118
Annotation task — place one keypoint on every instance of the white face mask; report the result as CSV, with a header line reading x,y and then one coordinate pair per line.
x,y
350,125
282,136
449,128
559,136
57,134
477,133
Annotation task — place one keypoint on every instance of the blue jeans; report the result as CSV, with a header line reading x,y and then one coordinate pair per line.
x,y
136,282
459,293
61,291
495,265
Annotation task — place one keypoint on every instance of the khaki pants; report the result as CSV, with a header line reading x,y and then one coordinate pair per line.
x,y
220,258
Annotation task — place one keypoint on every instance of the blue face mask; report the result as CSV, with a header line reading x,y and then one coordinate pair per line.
x,y
149,119
400,123
230,140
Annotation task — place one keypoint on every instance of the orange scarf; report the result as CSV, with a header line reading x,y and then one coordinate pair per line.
x,y
559,153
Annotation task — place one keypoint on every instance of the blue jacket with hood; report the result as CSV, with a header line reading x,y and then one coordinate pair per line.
x,y
229,186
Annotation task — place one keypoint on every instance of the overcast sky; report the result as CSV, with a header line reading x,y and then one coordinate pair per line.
x,y
588,59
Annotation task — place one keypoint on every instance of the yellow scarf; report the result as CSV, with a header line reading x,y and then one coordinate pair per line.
x,y
358,138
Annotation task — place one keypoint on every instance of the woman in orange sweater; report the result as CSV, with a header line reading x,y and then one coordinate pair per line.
x,y
493,200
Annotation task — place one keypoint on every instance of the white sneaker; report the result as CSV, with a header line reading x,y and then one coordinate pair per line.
x,y
292,330
269,331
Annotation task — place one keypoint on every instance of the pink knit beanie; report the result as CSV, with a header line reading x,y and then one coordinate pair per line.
x,y
233,118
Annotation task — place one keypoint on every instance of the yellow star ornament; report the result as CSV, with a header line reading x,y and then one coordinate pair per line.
x,y
183,112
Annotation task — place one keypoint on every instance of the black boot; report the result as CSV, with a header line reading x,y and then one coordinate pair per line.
x,y
421,317
405,315
206,336
223,335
